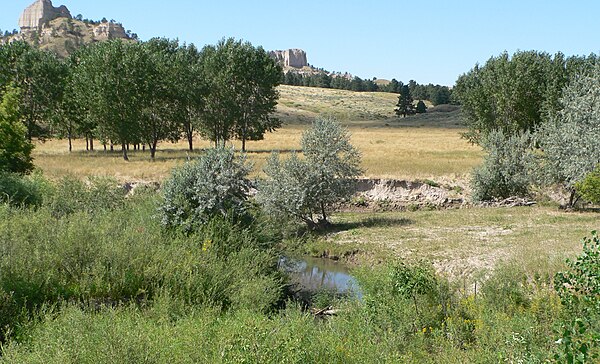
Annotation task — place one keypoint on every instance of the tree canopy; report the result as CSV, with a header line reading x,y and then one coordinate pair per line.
x,y
569,141
514,93
242,80
15,149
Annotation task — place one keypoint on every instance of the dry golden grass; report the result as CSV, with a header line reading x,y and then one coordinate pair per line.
x,y
303,104
390,152
420,146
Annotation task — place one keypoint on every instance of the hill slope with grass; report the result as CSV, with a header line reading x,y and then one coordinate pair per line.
x,y
300,105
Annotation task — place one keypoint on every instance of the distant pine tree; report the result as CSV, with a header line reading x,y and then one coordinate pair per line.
x,y
421,107
405,102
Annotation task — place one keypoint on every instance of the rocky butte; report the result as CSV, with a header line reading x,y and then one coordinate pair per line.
x,y
295,58
55,29
40,13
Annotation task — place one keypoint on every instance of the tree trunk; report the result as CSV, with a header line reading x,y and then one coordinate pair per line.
x,y
244,138
153,149
323,212
70,143
87,143
112,146
91,143
571,199
189,132
124,148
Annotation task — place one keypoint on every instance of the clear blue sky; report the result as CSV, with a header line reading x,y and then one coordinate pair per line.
x,y
428,41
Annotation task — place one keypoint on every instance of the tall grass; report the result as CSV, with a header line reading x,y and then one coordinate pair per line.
x,y
122,255
383,327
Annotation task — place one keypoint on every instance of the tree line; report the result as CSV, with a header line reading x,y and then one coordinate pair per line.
x,y
141,93
538,117
437,94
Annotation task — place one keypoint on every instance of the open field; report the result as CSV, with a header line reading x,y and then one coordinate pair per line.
x,y
422,146
388,151
466,243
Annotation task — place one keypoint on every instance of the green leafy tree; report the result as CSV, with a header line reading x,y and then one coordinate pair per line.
x,y
15,149
405,104
190,90
111,81
421,107
159,96
242,81
40,76
514,93
308,189
569,141
579,292
216,184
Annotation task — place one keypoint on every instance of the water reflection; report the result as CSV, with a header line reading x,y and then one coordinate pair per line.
x,y
314,274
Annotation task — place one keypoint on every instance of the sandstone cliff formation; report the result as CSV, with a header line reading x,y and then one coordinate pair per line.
x,y
290,58
40,13
54,29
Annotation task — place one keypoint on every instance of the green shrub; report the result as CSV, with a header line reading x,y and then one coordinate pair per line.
x,y
505,169
579,291
406,298
125,254
589,187
97,194
18,190
214,184
507,289
307,189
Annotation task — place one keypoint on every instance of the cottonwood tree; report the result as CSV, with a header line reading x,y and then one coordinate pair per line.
x,y
242,95
40,76
405,102
569,142
308,188
158,97
112,80
190,90
15,149
515,93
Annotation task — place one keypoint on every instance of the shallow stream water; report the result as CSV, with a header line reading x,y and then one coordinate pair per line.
x,y
311,275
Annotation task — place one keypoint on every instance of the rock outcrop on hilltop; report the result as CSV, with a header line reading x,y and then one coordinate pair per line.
x,y
54,29
109,30
40,13
290,58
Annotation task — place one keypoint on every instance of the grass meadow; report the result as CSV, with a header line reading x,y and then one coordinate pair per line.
x,y
422,146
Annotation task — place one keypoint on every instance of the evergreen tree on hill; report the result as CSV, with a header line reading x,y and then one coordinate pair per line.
x,y
405,102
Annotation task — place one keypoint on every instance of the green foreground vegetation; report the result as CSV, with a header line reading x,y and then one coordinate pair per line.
x,y
89,274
